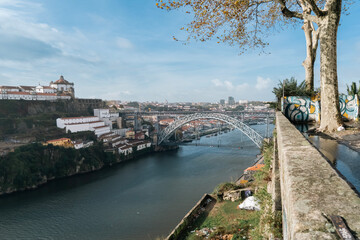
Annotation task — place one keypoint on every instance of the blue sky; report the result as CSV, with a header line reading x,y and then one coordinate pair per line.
x,y
124,50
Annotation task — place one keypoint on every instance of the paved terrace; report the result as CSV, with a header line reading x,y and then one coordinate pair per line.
x,y
311,188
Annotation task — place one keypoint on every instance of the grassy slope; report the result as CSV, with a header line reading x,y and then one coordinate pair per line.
x,y
244,224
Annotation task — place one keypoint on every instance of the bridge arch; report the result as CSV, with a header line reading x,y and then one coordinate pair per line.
x,y
248,131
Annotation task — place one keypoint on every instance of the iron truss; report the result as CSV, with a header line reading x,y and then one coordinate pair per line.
x,y
248,131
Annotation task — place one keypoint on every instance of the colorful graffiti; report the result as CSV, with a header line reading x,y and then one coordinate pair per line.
x,y
306,109
301,109
349,106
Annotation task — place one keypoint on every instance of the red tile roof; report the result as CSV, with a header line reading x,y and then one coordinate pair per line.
x,y
46,94
9,87
78,117
60,139
61,80
29,88
67,124
100,127
18,93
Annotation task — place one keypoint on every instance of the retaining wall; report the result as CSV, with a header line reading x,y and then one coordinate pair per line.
x,y
180,231
311,188
306,109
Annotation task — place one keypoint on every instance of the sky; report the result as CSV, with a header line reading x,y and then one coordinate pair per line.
x,y
124,50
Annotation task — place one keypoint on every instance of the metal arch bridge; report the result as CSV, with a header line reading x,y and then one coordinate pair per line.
x,y
248,131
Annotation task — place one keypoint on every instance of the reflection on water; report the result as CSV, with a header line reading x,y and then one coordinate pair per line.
x,y
302,127
328,147
346,160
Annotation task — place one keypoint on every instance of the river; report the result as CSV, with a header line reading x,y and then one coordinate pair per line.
x,y
139,199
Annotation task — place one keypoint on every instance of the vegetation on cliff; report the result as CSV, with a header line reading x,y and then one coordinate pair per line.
x,y
34,164
28,117
226,221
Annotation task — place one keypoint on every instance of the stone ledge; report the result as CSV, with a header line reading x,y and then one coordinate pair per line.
x,y
311,187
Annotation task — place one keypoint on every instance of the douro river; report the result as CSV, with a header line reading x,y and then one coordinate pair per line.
x,y
139,199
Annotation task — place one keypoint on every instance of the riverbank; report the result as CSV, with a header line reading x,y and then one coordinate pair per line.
x,y
120,202
216,216
31,166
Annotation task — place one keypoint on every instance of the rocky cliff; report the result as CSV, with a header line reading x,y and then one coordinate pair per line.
x,y
33,165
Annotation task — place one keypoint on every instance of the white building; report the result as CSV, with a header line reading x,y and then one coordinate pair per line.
x,y
81,127
107,137
17,96
81,144
125,149
78,144
121,131
60,89
80,124
102,113
105,115
61,122
140,145
118,141
45,89
4,89
63,86
101,130
32,96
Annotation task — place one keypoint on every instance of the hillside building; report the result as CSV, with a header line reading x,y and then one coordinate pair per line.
x,y
61,89
62,142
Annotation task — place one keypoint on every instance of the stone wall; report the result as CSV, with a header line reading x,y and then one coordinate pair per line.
x,y
311,188
202,206
306,109
349,106
301,109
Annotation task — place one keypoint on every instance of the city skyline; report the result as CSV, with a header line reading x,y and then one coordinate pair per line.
x,y
109,52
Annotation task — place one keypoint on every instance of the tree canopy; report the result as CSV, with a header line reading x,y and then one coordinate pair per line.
x,y
243,23
353,89
290,87
248,22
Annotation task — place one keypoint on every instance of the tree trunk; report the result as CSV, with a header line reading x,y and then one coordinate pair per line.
x,y
308,63
330,107
312,39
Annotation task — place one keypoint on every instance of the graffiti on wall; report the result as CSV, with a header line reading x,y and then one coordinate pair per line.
x,y
349,106
306,109
301,109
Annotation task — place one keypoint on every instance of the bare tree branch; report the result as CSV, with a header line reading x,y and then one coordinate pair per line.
x,y
287,12
318,12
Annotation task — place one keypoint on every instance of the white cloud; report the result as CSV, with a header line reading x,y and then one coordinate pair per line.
x,y
262,83
223,84
229,85
124,43
217,82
